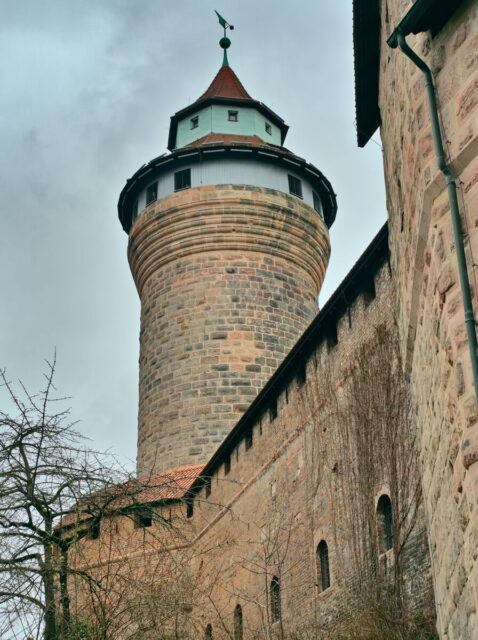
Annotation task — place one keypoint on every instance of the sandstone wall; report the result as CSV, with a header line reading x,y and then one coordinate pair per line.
x,y
431,316
312,472
228,278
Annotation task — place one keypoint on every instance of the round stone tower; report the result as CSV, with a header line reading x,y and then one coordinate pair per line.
x,y
228,246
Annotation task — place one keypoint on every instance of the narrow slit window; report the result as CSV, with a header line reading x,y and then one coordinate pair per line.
x,y
384,523
208,632
323,570
233,116
194,122
189,509
227,465
301,375
238,624
182,179
332,337
268,128
273,410
295,186
151,193
275,599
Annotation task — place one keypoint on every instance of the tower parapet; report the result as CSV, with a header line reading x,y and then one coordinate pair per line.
x,y
228,246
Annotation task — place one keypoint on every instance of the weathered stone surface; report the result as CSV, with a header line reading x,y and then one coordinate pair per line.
x,y
430,310
227,286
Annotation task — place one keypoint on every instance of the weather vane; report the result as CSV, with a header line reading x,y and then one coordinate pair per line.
x,y
224,42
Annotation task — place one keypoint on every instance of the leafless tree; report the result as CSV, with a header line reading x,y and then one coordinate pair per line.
x,y
45,470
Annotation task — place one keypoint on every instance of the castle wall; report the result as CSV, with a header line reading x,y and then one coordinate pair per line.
x,y
313,471
228,278
431,318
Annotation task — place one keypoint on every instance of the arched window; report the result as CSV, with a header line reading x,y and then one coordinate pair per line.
x,y
384,523
275,599
238,628
208,632
323,571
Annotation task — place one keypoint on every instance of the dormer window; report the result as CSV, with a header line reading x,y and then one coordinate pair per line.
x,y
232,116
151,193
295,186
268,128
194,122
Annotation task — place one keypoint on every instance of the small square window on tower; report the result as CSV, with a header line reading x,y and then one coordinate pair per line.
x,y
151,193
182,179
295,186
268,128
232,116
194,122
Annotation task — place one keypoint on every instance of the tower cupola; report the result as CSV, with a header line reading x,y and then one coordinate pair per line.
x,y
225,108
228,247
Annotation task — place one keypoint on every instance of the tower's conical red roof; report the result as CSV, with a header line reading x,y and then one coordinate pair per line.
x,y
225,85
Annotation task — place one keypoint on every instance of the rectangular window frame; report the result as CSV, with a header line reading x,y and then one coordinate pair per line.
x,y
182,179
295,186
268,128
317,204
233,116
194,122
152,193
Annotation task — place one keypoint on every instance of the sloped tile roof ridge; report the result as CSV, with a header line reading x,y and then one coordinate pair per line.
x,y
225,85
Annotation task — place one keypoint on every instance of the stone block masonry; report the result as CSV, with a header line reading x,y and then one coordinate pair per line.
x,y
431,318
228,278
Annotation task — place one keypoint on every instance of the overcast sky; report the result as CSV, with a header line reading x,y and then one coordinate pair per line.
x,y
88,89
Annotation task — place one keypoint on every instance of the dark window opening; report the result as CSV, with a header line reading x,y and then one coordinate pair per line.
x,y
323,570
273,410
301,375
249,439
208,632
134,211
144,518
194,122
384,523
369,292
238,624
232,116
151,193
332,338
268,128
227,465
295,186
182,179
207,484
275,599
189,508
317,203
94,531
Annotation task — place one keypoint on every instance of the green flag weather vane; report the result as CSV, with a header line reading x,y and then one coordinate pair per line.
x,y
224,41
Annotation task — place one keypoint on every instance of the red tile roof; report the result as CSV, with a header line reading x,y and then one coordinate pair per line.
x,y
225,85
229,138
169,485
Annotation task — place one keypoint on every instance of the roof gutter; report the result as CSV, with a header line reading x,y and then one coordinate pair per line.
x,y
407,26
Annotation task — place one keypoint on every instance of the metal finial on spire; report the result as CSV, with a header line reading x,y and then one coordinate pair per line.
x,y
224,42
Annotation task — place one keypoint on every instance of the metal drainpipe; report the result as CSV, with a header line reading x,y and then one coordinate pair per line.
x,y
453,201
